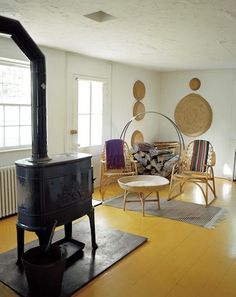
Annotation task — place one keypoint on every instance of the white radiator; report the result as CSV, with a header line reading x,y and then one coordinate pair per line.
x,y
8,192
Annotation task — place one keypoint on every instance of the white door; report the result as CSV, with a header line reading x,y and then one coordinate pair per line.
x,y
89,126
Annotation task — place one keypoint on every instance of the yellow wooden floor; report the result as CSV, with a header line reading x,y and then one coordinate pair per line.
x,y
179,259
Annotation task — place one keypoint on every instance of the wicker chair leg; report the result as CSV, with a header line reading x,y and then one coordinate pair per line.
x,y
214,187
206,197
178,183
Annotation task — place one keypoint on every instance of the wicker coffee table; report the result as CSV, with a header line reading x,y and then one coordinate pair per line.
x,y
143,185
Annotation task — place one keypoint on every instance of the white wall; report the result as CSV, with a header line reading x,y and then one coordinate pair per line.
x,y
56,99
218,88
123,79
10,50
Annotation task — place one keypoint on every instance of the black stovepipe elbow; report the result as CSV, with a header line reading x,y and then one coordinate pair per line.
x,y
38,85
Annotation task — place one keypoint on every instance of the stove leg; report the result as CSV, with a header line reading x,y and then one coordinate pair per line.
x,y
68,230
92,228
20,244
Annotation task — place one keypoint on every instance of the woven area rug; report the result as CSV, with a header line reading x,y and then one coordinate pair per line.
x,y
187,212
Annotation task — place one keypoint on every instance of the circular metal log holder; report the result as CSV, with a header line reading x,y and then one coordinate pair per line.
x,y
179,134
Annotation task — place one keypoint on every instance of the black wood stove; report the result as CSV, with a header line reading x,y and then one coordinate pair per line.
x,y
57,189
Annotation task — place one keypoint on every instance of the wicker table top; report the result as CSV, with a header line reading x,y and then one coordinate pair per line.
x,y
141,183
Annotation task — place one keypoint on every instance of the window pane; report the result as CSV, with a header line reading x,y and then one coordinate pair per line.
x,y
83,96
96,129
14,84
1,116
97,97
83,130
15,89
90,110
25,135
1,136
11,115
10,92
6,74
11,136
5,94
25,115
24,90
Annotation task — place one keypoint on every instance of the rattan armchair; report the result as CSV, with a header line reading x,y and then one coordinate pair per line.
x,y
109,175
195,166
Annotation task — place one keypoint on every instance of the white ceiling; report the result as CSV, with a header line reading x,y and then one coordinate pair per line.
x,y
157,34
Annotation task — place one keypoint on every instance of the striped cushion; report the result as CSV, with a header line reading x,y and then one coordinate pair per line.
x,y
200,155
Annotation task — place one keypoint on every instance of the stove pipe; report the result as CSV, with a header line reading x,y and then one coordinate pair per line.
x,y
38,85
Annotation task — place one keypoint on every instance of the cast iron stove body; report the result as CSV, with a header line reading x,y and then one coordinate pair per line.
x,y
57,189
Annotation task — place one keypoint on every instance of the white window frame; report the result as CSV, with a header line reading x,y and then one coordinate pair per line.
x,y
16,63
90,111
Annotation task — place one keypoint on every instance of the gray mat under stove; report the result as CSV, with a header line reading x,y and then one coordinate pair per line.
x,y
113,245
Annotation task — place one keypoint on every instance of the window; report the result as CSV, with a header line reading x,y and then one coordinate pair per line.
x,y
15,105
90,112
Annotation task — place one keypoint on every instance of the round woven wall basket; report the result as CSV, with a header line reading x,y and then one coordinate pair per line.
x,y
195,84
137,137
193,115
139,90
139,108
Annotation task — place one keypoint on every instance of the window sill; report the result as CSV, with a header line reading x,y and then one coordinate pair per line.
x,y
15,150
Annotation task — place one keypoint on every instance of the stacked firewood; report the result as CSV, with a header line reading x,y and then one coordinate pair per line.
x,y
153,161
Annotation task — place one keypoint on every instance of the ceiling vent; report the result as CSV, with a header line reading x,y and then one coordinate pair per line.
x,y
100,16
